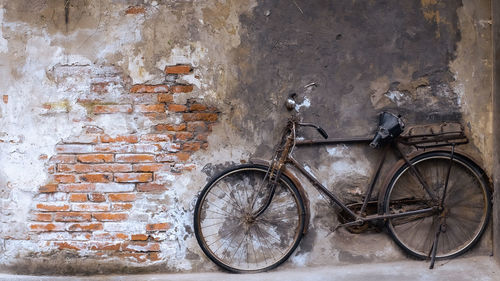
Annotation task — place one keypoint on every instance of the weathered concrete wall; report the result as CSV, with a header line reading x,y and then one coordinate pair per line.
x,y
106,140
495,11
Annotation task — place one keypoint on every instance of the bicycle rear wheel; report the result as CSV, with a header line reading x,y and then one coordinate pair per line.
x,y
231,236
466,207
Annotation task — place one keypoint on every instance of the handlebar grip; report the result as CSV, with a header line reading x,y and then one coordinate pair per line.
x,y
376,141
322,132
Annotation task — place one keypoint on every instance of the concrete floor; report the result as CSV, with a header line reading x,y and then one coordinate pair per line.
x,y
471,268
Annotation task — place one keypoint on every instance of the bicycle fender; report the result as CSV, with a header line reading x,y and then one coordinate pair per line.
x,y
288,173
410,156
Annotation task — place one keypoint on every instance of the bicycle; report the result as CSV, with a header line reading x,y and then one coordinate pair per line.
x,y
435,204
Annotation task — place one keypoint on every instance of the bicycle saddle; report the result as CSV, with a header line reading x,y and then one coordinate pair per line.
x,y
389,127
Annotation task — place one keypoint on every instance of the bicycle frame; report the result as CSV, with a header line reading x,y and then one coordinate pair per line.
x,y
358,218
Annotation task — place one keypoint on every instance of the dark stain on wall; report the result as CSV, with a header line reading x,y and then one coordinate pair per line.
x,y
344,46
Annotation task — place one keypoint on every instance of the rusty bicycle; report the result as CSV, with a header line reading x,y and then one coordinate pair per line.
x,y
435,203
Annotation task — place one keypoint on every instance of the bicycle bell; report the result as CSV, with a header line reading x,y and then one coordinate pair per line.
x,y
290,102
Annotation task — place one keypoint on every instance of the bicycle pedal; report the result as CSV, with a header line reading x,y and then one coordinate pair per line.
x,y
333,229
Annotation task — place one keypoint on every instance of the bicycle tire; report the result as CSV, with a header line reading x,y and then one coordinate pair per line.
x,y
467,205
229,236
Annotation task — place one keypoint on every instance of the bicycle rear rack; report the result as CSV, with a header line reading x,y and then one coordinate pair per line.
x,y
434,135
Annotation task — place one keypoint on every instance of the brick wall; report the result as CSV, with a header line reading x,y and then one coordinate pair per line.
x,y
96,201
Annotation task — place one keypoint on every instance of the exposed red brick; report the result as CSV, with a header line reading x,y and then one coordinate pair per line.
x,y
115,167
170,127
63,159
135,158
182,88
173,157
154,256
65,168
90,207
141,246
134,257
139,237
134,10
202,137
95,158
106,246
182,156
178,69
97,197
183,167
114,148
42,217
48,188
151,187
142,98
191,146
177,107
133,177
68,246
157,137
51,169
157,227
183,136
101,87
148,148
52,207
115,187
198,107
63,178
77,187
84,227
165,98
88,168
121,236
149,89
46,227
96,178
197,126
110,216
153,167
209,117
5,99
123,197
78,197
110,236
121,206
122,138
112,108
159,107
72,216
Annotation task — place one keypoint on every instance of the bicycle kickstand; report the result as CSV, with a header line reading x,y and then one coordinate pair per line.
x,y
434,247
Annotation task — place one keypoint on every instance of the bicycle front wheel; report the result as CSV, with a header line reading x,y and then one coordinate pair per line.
x,y
232,236
465,211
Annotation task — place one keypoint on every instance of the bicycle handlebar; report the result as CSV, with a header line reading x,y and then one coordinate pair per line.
x,y
318,128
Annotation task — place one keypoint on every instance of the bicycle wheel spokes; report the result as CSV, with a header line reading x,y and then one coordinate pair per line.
x,y
464,214
232,236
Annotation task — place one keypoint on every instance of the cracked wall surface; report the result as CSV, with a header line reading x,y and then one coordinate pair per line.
x,y
114,115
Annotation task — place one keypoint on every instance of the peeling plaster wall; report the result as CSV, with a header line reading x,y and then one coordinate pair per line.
x,y
81,75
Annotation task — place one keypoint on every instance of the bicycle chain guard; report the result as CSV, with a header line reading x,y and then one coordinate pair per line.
x,y
371,209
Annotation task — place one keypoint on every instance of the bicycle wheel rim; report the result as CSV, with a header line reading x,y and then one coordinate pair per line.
x,y
467,207
236,244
